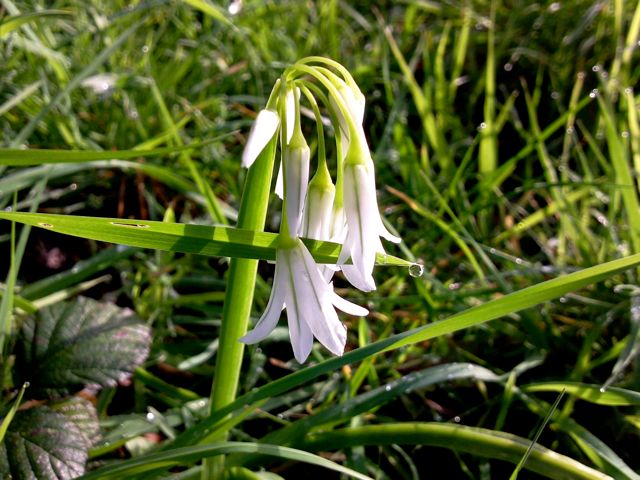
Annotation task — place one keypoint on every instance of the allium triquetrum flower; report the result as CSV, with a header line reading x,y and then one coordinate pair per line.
x,y
310,303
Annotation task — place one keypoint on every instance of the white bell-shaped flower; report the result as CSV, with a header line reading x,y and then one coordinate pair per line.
x,y
310,303
262,131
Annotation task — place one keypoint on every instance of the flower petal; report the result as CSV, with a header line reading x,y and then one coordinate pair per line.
x,y
320,316
297,178
348,307
271,315
262,131
298,289
290,111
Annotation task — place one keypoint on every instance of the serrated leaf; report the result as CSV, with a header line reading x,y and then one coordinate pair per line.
x,y
81,412
42,443
71,345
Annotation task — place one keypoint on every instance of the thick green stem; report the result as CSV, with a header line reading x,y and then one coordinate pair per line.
x,y
239,295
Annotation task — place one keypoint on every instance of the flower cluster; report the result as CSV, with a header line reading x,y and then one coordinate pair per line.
x,y
345,211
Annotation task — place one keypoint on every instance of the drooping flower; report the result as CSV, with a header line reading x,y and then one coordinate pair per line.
x,y
310,303
364,224
262,131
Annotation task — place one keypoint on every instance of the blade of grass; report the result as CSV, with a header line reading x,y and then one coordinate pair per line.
x,y
180,237
591,393
187,455
461,438
497,308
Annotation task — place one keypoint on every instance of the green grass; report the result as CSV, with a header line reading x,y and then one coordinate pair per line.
x,y
507,149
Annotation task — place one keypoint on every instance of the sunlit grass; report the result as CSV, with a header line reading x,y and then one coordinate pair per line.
x,y
507,150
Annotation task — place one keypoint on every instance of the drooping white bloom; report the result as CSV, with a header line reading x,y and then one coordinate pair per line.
x,y
296,157
262,131
364,224
310,302
317,222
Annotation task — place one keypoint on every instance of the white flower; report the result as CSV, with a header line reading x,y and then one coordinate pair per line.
x,y
364,225
262,131
317,222
310,302
296,160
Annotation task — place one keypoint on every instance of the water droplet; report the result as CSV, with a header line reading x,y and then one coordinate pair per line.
x,y
482,126
563,299
492,251
387,388
454,286
45,225
594,93
281,416
145,49
603,389
555,95
625,134
519,261
554,7
628,90
26,384
456,419
73,187
595,68
570,131
416,270
580,75
133,114
508,67
150,417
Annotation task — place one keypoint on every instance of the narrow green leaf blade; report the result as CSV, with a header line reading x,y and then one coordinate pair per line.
x,y
611,396
185,455
180,237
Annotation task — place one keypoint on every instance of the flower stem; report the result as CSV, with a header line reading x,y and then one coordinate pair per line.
x,y
239,297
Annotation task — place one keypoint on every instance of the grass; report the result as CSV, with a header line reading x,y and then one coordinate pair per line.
x,y
506,142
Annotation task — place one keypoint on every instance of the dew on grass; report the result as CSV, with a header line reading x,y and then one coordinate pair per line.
x,y
594,93
416,270
555,95
595,68
508,67
150,416
625,134
570,131
145,49
45,225
387,388
482,126
456,419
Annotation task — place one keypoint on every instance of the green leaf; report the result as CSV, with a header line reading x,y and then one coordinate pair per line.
x,y
42,443
210,9
83,414
75,344
21,158
477,441
181,456
9,24
612,396
180,237
514,302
